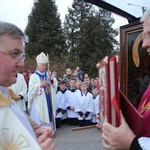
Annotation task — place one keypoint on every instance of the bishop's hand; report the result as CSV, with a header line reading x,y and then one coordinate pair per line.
x,y
44,83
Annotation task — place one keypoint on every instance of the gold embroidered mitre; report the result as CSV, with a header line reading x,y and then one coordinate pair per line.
x,y
41,58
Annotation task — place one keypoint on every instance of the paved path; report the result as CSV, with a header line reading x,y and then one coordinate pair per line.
x,y
89,139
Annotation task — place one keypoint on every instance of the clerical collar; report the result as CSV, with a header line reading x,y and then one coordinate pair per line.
x,y
94,96
42,73
72,90
63,91
84,93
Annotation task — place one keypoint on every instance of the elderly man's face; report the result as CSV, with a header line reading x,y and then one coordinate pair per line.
x,y
41,67
10,48
69,72
146,35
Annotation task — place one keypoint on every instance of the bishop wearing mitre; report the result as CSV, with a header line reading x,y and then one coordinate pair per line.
x,y
39,95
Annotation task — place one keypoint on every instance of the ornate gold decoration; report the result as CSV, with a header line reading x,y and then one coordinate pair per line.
x,y
146,107
11,93
97,65
105,60
4,100
117,59
11,142
135,53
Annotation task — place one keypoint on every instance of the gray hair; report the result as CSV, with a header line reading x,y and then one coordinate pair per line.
x,y
11,30
145,16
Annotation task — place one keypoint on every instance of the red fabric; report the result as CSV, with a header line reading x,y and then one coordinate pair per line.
x,y
51,81
114,101
40,90
146,121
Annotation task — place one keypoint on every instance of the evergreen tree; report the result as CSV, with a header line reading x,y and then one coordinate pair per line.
x,y
44,31
90,36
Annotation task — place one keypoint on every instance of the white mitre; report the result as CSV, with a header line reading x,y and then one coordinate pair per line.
x,y
41,58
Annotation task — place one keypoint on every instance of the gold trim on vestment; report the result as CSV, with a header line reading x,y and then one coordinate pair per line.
x,y
146,107
11,142
4,100
12,94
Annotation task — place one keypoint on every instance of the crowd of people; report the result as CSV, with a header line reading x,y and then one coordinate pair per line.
x,y
50,102
72,99
63,99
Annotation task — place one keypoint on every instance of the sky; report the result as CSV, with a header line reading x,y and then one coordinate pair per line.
x,y
17,11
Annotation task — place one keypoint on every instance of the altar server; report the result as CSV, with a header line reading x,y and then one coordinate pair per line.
x,y
60,103
71,100
96,105
84,106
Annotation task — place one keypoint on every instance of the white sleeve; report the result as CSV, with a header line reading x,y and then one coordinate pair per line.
x,y
144,143
23,90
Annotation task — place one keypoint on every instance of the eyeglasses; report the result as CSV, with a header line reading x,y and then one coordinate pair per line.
x,y
17,56
146,36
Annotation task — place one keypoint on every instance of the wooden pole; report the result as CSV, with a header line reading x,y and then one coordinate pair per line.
x,y
83,128
52,101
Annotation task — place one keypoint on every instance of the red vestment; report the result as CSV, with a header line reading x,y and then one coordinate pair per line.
x,y
144,109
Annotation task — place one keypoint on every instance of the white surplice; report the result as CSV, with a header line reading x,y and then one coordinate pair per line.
x,y
71,100
20,88
84,104
60,103
96,106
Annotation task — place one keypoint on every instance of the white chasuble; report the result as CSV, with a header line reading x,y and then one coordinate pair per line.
x,y
37,101
13,134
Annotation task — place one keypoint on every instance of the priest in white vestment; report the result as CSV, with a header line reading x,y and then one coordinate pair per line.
x,y
20,89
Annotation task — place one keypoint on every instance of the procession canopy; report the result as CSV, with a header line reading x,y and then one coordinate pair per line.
x,y
114,9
